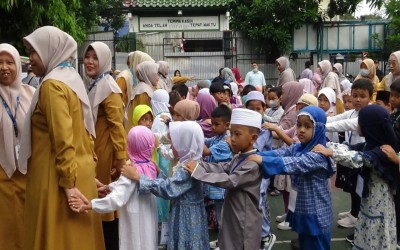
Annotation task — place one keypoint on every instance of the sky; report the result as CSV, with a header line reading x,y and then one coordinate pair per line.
x,y
364,9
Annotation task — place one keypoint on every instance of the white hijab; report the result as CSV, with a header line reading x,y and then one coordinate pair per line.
x,y
188,140
54,47
331,96
8,141
160,102
106,85
390,77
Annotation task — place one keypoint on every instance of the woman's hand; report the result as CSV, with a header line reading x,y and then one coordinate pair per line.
x,y
323,150
74,193
130,171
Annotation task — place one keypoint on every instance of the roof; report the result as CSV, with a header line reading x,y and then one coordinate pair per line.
x,y
176,3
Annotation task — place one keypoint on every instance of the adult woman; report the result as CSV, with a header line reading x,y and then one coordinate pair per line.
x,y
178,78
127,79
368,71
108,115
331,80
57,139
164,82
228,75
286,74
394,68
147,73
16,98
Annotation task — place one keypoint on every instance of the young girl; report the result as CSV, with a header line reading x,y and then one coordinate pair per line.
x,y
207,104
310,171
138,211
327,102
188,227
142,115
376,224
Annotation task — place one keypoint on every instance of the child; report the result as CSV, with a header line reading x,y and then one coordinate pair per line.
x,y
182,90
216,149
207,104
241,218
217,90
143,115
248,88
326,101
255,101
377,178
137,210
361,91
348,105
312,218
382,99
275,111
186,110
188,223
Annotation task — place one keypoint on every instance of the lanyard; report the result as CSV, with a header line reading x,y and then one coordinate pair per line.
x,y
244,158
97,80
12,117
350,134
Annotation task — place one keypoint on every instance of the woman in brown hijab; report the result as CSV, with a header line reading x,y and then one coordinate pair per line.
x,y
16,99
57,149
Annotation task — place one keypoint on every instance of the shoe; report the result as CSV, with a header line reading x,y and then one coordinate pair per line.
x,y
275,192
348,222
295,244
284,226
343,215
214,244
350,238
281,218
268,241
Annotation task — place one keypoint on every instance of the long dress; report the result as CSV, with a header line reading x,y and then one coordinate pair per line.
x,y
138,214
188,223
62,157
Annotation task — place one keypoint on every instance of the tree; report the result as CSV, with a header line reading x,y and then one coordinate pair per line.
x,y
393,37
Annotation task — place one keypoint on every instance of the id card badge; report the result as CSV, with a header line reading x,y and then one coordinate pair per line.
x,y
17,148
360,186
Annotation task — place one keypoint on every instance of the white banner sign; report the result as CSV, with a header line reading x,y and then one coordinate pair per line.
x,y
178,23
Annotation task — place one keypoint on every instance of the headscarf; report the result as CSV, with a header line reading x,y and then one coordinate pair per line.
x,y
287,75
339,68
188,140
140,149
203,84
309,86
234,88
10,94
292,91
207,104
106,85
163,68
283,62
390,77
160,102
331,96
139,111
189,110
317,78
54,47
228,74
146,73
369,63
204,91
318,117
135,58
238,77
326,68
376,127
164,82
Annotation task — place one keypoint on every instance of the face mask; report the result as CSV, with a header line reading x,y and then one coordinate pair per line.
x,y
255,70
364,72
273,104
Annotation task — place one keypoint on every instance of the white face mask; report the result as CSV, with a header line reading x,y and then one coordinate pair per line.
x,y
364,72
273,103
255,70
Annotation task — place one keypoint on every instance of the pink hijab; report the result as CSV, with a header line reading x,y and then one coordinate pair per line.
x,y
292,91
207,104
140,148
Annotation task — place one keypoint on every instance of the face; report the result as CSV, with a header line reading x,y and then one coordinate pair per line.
x,y
335,71
348,104
255,106
8,69
254,66
91,63
394,99
363,66
393,65
242,139
305,129
272,96
177,117
360,98
279,67
220,97
156,79
227,95
388,107
323,102
36,63
219,125
177,73
146,120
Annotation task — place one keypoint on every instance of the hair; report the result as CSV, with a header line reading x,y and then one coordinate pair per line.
x,y
216,87
248,102
277,90
220,71
248,88
253,62
253,130
176,71
376,61
395,86
222,111
383,96
174,98
181,88
307,64
363,83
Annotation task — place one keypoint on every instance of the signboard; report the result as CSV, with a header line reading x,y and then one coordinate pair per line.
x,y
195,23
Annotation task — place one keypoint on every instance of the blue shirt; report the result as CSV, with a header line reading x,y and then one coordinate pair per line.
x,y
255,79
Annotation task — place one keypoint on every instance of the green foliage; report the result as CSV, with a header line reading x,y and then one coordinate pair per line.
x,y
393,38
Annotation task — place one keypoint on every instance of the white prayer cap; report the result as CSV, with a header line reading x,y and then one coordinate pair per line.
x,y
246,117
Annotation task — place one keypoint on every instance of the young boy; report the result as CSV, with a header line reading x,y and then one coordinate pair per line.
x,y
383,99
217,90
255,101
182,90
241,220
216,149
361,93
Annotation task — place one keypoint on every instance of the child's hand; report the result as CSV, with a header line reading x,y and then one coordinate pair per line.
x,y
130,171
164,118
256,158
98,183
190,166
390,153
270,126
79,205
75,194
323,150
103,191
